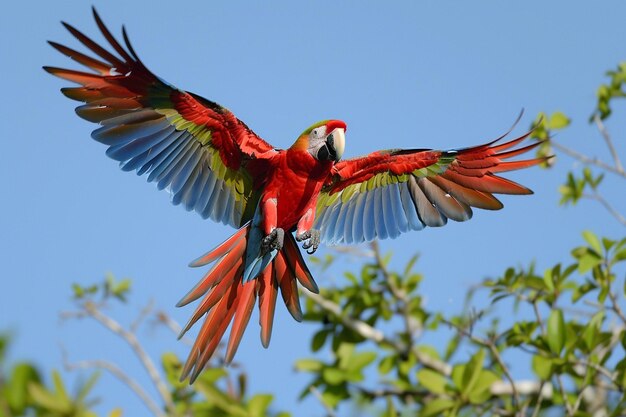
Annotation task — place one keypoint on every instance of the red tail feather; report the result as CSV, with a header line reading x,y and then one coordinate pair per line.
x,y
288,288
268,291
247,298
217,273
221,249
227,297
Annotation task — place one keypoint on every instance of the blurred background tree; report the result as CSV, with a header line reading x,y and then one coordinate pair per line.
x,y
566,323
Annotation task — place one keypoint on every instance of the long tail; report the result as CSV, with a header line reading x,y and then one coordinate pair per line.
x,y
226,296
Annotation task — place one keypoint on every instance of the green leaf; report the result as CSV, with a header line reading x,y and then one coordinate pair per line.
x,y
334,394
558,120
457,374
86,387
210,375
360,360
482,388
123,286
59,387
592,330
548,279
472,371
593,241
17,388
46,399
620,256
333,376
386,364
436,407
432,381
410,264
344,353
78,291
542,367
257,406
556,331
319,339
308,365
587,261
583,289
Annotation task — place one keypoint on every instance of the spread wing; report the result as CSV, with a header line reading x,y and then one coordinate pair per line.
x,y
191,146
390,192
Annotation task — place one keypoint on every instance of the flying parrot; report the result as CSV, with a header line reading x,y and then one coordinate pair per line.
x,y
214,164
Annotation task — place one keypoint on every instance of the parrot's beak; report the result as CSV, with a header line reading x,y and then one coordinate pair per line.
x,y
336,143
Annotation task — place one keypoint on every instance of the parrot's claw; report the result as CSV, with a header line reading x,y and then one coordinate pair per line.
x,y
273,241
312,238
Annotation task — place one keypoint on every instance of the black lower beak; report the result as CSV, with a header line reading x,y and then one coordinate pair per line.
x,y
328,151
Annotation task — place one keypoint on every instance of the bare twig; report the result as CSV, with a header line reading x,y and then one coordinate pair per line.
x,y
173,325
616,308
523,387
612,211
143,357
142,316
318,395
587,160
122,377
609,142
394,392
410,324
539,400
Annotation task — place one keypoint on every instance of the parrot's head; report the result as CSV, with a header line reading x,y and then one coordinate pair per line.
x,y
325,140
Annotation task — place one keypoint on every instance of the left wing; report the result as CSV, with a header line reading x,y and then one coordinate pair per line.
x,y
390,192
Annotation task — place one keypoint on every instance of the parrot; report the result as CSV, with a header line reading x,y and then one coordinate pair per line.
x,y
214,164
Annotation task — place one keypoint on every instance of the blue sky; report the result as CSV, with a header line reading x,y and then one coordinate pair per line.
x,y
407,74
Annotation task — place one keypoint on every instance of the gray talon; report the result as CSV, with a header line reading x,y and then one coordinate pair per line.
x,y
273,241
312,238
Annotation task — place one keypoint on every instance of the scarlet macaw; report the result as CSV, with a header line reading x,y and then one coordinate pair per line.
x,y
214,164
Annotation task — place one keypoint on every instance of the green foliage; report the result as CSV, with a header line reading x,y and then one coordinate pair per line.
x,y
571,341
575,187
24,392
109,287
214,393
615,88
542,129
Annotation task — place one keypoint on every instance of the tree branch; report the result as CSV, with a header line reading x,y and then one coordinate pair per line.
x,y
587,160
172,325
489,344
598,197
122,377
316,393
609,142
410,325
133,342
375,335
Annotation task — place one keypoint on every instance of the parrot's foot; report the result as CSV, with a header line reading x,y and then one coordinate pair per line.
x,y
312,238
273,241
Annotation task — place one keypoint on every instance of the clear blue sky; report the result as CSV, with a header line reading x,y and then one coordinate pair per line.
x,y
402,74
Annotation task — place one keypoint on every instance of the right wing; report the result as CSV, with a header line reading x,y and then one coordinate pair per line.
x,y
193,147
